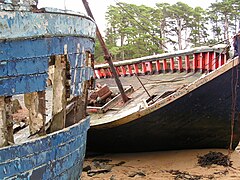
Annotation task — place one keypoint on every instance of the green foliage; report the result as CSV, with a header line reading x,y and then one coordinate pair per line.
x,y
135,31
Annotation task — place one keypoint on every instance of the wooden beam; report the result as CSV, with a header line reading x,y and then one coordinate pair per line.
x,y
42,110
34,103
81,102
9,119
59,94
3,123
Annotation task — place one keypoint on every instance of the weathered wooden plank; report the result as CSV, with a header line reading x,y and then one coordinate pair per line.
x,y
36,115
42,110
22,84
59,94
76,60
19,2
6,124
9,119
78,76
3,123
26,66
82,100
14,25
42,47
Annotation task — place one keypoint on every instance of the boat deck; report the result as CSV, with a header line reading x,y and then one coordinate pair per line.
x,y
160,85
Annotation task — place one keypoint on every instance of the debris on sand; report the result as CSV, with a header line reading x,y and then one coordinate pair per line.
x,y
184,175
87,168
217,158
100,166
101,163
120,163
92,173
132,175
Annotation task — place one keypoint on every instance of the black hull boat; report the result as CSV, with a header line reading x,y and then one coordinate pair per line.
x,y
198,108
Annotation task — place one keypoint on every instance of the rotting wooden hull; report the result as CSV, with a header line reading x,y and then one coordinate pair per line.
x,y
59,155
30,37
200,117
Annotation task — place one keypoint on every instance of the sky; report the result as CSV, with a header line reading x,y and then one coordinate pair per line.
x,y
99,7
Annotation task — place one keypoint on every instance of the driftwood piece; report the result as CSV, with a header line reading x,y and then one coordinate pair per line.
x,y
35,103
59,94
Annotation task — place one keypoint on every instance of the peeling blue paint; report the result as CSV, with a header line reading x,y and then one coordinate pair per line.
x,y
37,65
43,47
34,54
48,157
22,84
27,40
27,25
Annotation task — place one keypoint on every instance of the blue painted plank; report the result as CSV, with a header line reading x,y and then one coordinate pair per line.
x,y
27,149
76,60
83,73
61,165
76,81
16,24
36,160
9,169
18,2
22,84
42,47
78,76
69,146
88,73
73,173
48,162
24,67
3,68
66,136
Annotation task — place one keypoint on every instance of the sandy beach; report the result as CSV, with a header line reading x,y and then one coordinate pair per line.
x,y
181,164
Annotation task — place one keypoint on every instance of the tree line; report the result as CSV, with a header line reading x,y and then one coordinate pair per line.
x,y
136,31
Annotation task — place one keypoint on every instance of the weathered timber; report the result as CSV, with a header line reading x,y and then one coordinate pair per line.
x,y
20,2
81,102
9,119
59,94
6,123
3,123
33,102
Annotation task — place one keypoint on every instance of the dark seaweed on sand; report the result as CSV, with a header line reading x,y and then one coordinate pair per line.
x,y
217,158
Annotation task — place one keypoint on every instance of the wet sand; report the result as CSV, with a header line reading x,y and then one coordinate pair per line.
x,y
182,164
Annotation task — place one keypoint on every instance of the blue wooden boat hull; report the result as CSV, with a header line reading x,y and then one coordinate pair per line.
x,y
59,155
28,39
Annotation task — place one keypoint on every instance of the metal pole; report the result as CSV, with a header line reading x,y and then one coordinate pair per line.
x,y
144,88
107,55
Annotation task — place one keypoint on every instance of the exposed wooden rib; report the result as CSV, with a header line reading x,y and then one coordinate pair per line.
x,y
59,94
